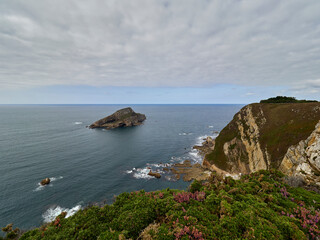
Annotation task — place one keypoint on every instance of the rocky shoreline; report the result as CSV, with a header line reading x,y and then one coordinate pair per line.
x,y
186,170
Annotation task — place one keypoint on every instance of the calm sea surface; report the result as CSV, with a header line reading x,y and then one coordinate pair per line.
x,y
86,166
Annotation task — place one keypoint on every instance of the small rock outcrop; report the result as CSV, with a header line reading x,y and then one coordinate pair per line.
x,y
154,174
125,117
45,181
303,159
206,147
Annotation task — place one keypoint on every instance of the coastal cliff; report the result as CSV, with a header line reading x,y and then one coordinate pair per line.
x,y
284,136
125,117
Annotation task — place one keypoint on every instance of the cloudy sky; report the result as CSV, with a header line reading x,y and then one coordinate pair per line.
x,y
153,51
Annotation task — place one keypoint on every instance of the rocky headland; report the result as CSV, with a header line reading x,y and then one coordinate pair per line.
x,y
264,136
125,117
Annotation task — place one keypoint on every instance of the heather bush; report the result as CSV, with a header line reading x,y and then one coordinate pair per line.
x,y
258,206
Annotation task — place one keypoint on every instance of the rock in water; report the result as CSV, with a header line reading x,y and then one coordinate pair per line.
x,y
45,181
154,174
125,117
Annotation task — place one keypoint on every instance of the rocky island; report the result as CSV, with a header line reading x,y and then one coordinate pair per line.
x,y
125,117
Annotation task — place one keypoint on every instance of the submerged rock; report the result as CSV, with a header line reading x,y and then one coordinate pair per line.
x,y
125,117
190,171
154,174
45,181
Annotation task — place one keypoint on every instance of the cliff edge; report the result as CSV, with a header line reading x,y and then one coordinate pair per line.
x,y
284,136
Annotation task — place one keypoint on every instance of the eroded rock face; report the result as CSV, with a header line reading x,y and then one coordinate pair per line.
x,y
265,136
154,174
303,159
125,117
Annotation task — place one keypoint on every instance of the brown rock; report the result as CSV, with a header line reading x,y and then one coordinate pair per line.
x,y
154,174
125,117
206,147
45,181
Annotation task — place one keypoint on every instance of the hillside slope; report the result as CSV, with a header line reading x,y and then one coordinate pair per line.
x,y
260,135
258,206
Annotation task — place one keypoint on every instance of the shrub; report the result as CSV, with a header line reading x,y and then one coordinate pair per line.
x,y
258,206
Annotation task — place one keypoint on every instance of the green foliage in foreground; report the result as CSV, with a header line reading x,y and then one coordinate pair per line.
x,y
258,206
284,99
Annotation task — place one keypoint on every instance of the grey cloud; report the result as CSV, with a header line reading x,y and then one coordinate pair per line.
x,y
308,86
158,43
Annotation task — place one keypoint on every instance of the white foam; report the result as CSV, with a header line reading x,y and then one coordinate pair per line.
x,y
39,188
51,214
142,173
210,126
52,179
42,187
195,156
201,139
159,165
194,153
77,123
176,159
185,134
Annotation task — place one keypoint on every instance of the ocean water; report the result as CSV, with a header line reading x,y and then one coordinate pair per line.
x,y
92,165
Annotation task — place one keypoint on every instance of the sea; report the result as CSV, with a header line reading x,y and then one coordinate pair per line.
x,y
90,166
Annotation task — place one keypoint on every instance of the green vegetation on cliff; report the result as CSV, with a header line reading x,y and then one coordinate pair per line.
x,y
275,127
258,206
283,99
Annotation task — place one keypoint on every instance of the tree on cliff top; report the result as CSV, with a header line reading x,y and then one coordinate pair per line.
x,y
284,99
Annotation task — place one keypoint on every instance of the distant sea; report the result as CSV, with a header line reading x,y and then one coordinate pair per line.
x,y
87,166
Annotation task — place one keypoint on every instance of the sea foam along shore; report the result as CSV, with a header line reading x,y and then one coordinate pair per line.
x,y
55,211
193,155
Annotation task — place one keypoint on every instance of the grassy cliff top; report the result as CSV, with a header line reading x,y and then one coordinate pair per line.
x,y
280,126
284,99
258,206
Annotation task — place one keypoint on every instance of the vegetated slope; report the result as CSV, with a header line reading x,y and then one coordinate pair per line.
x,y
258,206
260,134
284,99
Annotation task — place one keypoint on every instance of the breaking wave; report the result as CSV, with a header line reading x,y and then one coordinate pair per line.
x,y
53,212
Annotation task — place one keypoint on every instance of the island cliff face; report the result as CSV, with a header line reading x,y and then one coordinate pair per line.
x,y
125,117
266,135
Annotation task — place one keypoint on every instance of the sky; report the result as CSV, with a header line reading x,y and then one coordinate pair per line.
x,y
158,52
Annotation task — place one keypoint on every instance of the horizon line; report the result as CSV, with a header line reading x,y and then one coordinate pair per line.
x,y
123,103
